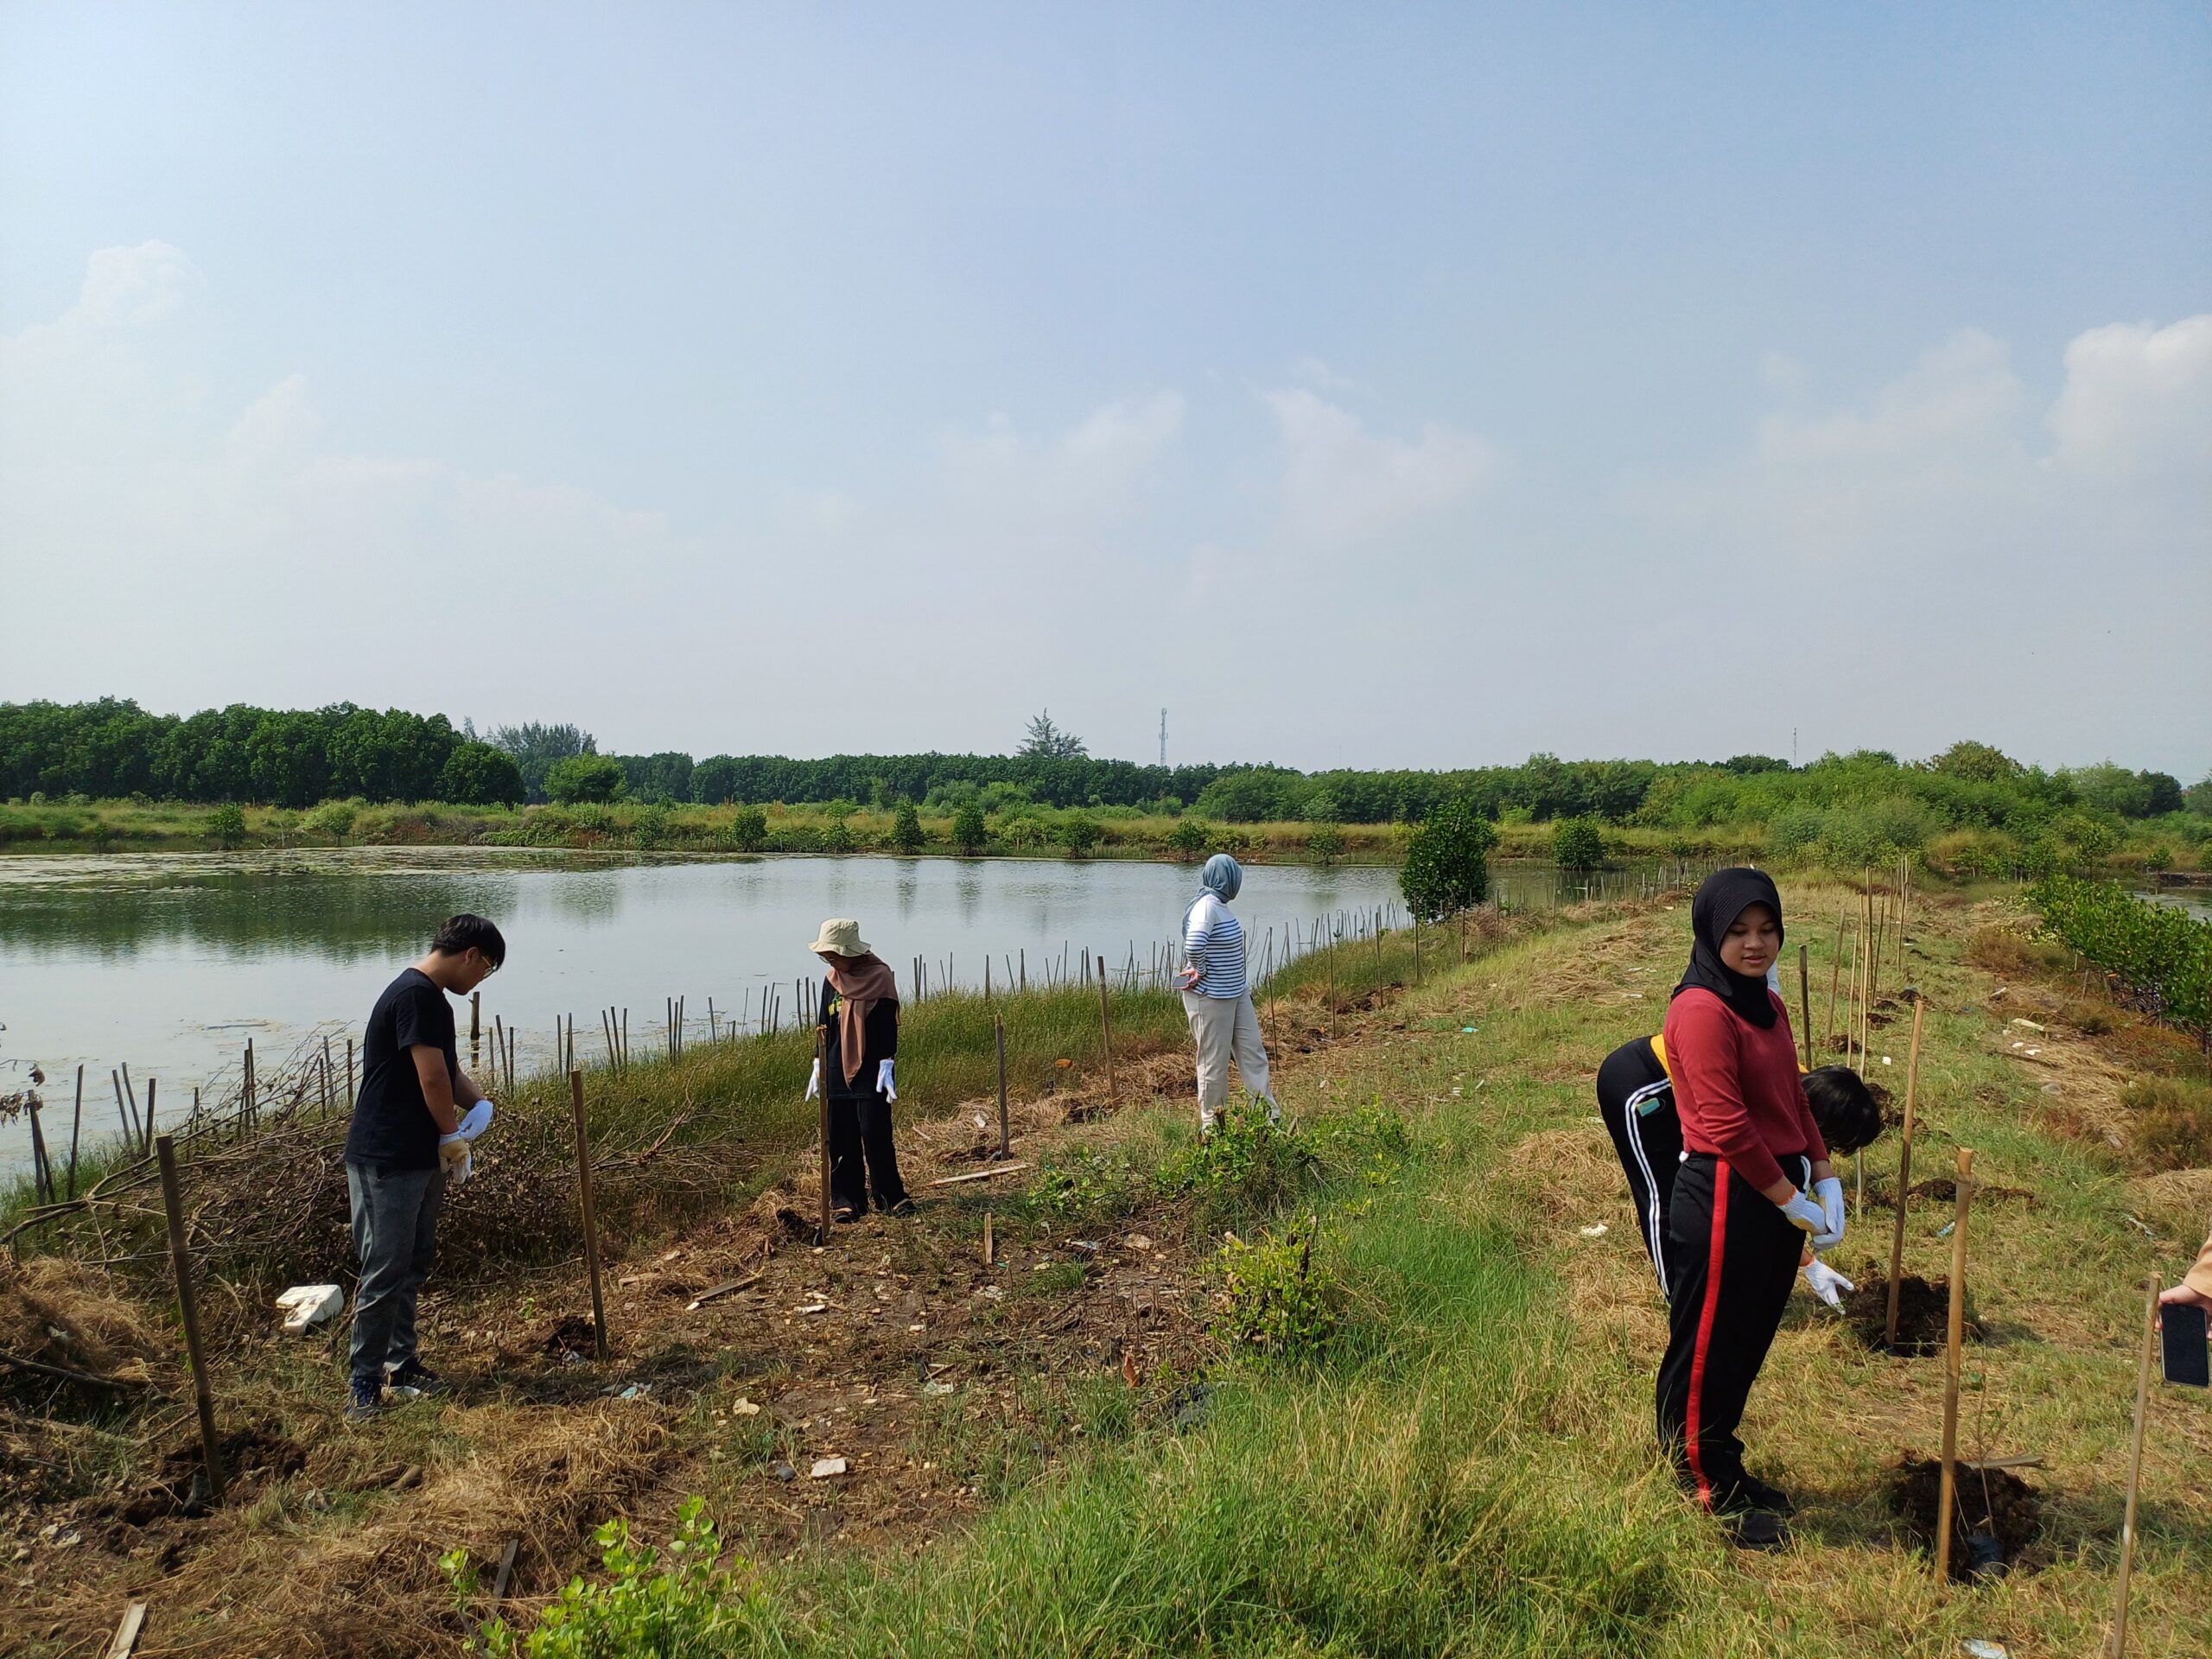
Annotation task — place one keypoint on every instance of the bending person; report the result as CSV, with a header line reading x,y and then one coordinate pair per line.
x,y
1224,1024
1739,1213
860,1020
403,1148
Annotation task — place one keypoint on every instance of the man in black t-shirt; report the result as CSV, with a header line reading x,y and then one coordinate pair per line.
x,y
403,1144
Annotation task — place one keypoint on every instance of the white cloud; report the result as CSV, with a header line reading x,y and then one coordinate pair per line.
x,y
1342,485
2138,400
1096,471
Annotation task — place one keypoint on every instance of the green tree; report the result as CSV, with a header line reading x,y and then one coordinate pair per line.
x,y
1047,741
1578,844
1079,832
1980,763
476,774
969,829
534,746
1448,862
906,828
585,778
1190,837
748,828
1327,843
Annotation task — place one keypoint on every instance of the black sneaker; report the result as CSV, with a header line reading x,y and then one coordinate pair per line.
x,y
1755,1529
364,1403
411,1378
1752,1493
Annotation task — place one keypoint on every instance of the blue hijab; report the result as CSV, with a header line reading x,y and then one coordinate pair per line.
x,y
1223,877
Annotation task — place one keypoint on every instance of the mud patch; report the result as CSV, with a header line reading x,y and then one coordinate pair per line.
x,y
572,1334
179,1487
1995,1516
1924,1314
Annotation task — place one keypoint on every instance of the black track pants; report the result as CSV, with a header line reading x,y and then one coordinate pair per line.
x,y
1735,1257
1637,1104
860,1126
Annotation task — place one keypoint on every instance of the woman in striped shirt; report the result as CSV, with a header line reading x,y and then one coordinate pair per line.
x,y
1223,1023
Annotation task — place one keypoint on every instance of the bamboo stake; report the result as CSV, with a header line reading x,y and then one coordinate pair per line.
x,y
2134,1469
990,1255
1956,1335
1805,1003
1835,975
590,1213
152,1083
998,1031
42,1171
76,1124
1106,1039
188,1308
246,1102
1905,1176
123,1111
349,1075
475,1029
822,1067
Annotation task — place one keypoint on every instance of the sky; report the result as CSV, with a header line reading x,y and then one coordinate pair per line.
x,y
1407,385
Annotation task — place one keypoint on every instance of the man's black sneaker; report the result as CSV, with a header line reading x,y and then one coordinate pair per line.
x,y
364,1402
1754,1494
1755,1529
412,1378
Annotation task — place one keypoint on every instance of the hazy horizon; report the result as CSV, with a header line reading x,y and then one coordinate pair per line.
x,y
1427,388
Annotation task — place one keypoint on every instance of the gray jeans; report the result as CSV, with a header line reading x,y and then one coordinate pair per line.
x,y
396,1236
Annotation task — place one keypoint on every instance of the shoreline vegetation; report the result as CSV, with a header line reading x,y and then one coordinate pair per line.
x,y
1377,1382
110,775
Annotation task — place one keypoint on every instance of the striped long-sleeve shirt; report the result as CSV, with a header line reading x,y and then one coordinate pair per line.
x,y
1213,943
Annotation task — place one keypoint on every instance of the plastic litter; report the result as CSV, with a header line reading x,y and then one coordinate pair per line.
x,y
935,1389
1596,1232
305,1306
1978,1649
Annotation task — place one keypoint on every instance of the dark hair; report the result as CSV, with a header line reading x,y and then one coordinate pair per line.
x,y
1849,1115
459,933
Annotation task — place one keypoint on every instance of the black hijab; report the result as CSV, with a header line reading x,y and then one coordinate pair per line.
x,y
1721,897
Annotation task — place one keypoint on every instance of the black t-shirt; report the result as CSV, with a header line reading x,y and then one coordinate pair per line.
x,y
392,1128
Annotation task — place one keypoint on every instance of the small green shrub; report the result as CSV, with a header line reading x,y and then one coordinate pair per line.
x,y
332,818
1327,843
906,828
970,831
749,829
1081,1186
1079,832
1447,862
690,1609
1249,1165
226,826
1189,838
1578,844
1273,1301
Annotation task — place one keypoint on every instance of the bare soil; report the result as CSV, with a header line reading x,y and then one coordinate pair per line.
x,y
1993,1501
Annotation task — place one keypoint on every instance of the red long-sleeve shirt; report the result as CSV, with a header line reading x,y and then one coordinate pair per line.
x,y
1737,1088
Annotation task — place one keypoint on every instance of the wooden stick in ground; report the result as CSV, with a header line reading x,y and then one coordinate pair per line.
x,y
475,1029
122,1111
125,1642
990,1250
1106,1039
590,1213
152,1083
1805,1003
998,1032
189,1308
822,1069
42,1169
1905,1176
76,1124
506,1575
1946,1496
2134,1469
1835,975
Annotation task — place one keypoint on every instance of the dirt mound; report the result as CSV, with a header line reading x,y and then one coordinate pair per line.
x,y
572,1333
179,1486
1924,1314
1994,1514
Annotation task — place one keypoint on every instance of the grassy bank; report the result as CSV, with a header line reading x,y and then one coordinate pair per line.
x,y
1429,1436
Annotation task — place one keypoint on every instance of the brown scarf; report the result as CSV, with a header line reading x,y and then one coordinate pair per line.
x,y
859,988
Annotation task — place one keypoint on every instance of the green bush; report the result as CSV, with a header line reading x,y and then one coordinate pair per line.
x,y
906,828
332,818
970,830
689,1608
1273,1301
2160,957
1189,838
1578,844
1079,832
476,774
1249,1167
749,829
1327,843
1448,862
585,778
226,826
1081,1187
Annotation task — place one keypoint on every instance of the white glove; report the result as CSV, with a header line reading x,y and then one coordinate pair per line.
x,y
884,1084
453,1157
1829,1191
1827,1282
1804,1212
475,1120
814,1081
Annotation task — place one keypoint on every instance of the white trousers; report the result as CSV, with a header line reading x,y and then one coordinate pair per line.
x,y
1226,1027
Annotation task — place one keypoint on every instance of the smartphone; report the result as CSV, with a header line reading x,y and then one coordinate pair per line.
x,y
2188,1355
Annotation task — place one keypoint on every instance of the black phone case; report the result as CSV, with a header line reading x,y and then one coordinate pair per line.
x,y
2187,1353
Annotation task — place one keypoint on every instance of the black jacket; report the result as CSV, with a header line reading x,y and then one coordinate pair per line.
x,y
880,1043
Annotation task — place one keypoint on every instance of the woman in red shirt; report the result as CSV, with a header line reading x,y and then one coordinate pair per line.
x,y
1754,1181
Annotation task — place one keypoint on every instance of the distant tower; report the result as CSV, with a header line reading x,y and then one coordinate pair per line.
x,y
1793,749
1163,737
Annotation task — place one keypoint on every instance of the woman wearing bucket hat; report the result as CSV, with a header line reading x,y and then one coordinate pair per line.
x,y
1215,995
860,1024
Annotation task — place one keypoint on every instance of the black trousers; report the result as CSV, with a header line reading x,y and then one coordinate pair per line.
x,y
1735,1257
1637,1103
860,1129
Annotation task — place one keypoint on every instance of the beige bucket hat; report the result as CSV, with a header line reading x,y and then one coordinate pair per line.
x,y
841,936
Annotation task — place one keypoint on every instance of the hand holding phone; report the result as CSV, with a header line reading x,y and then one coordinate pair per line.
x,y
2182,1336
